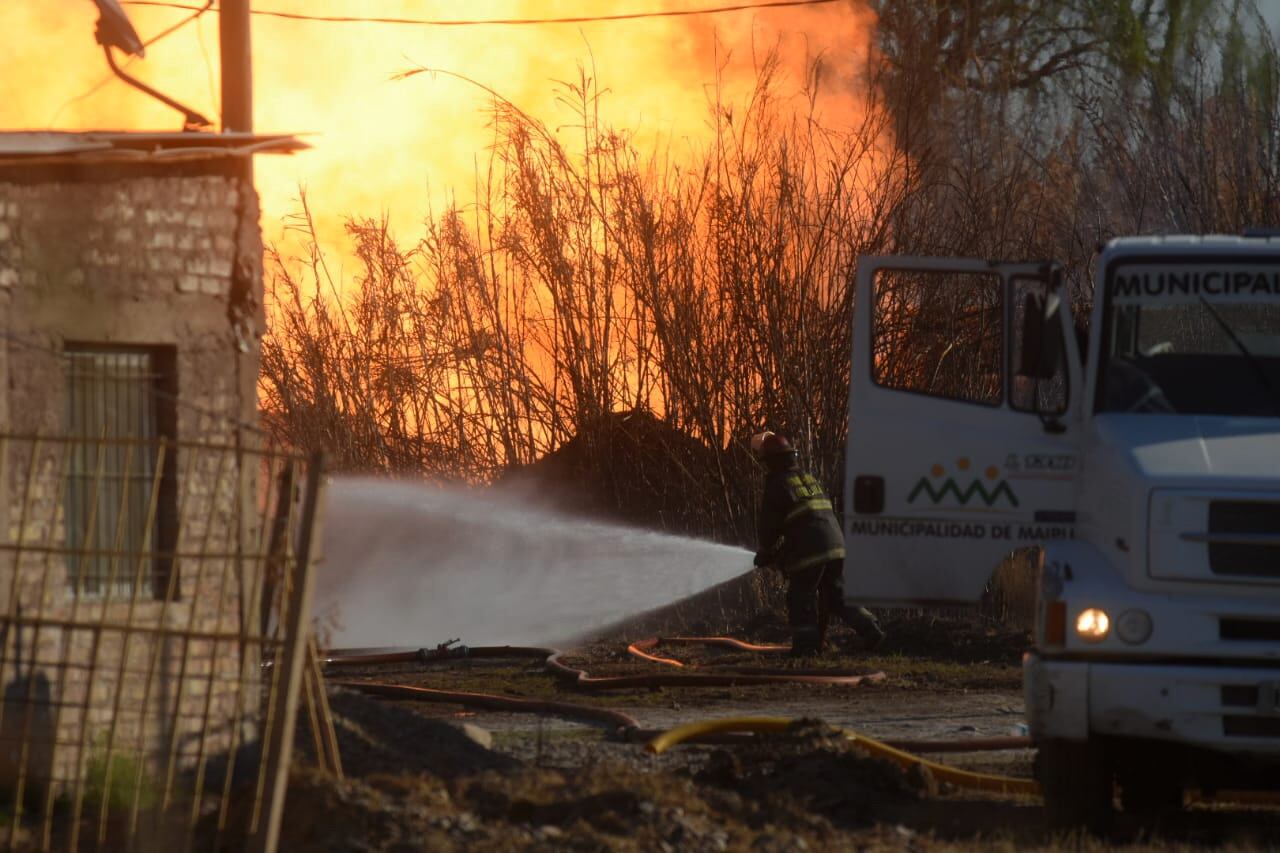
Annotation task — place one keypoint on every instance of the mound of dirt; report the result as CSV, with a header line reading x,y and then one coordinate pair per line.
x,y
376,736
632,468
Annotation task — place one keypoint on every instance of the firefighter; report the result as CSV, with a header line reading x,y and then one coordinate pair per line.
x,y
799,536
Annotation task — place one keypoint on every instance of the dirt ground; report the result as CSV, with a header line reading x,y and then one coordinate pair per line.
x,y
415,781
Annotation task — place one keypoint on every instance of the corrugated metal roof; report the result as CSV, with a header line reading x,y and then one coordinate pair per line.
x,y
45,146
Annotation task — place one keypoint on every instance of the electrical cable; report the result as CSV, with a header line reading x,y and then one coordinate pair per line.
x,y
165,33
480,22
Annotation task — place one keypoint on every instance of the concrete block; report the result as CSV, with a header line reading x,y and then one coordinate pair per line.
x,y
161,240
8,278
5,231
188,283
214,286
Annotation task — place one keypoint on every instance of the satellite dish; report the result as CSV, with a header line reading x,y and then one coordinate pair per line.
x,y
114,29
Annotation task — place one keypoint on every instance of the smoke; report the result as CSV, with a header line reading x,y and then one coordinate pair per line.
x,y
401,148
413,565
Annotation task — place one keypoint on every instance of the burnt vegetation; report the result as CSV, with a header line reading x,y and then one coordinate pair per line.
x,y
632,317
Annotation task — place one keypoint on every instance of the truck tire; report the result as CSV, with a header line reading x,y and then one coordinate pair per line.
x,y
1077,782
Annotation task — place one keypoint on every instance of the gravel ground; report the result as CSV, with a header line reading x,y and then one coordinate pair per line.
x,y
416,781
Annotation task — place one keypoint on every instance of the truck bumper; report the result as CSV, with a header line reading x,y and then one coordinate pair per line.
x,y
1223,708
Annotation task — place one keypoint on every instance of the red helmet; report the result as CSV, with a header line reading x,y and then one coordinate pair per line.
x,y
770,443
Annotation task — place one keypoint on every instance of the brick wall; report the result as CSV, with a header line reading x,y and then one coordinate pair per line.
x,y
150,260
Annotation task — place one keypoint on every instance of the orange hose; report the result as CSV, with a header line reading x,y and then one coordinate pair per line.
x,y
641,648
580,678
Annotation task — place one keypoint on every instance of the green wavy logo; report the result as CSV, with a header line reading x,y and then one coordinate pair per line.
x,y
976,489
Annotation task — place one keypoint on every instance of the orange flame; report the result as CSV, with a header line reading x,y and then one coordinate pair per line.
x,y
400,148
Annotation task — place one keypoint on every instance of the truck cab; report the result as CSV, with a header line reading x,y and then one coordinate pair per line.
x,y
1136,466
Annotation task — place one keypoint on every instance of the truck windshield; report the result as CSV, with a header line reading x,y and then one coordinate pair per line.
x,y
1192,339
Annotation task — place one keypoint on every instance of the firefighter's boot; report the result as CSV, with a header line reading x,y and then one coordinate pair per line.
x,y
869,630
806,641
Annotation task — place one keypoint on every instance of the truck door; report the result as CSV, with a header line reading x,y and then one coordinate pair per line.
x,y
963,425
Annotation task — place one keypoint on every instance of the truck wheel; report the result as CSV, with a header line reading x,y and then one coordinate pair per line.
x,y
1077,783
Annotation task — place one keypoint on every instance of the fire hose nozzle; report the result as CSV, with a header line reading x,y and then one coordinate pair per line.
x,y
447,649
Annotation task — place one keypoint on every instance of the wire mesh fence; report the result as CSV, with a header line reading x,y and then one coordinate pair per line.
x,y
153,617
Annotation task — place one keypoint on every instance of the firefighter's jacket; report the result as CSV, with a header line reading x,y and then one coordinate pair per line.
x,y
797,527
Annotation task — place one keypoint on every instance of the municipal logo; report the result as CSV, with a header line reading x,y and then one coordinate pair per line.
x,y
964,488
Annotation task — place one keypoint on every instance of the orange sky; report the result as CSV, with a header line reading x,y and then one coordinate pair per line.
x,y
398,147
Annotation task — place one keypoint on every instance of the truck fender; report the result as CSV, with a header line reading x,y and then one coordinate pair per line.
x,y
1080,570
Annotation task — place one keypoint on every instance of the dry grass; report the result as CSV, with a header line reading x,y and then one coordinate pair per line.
x,y
590,278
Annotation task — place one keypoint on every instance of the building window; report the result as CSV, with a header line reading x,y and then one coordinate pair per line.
x,y
120,519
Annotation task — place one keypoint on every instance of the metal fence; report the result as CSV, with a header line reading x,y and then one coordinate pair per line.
x,y
151,666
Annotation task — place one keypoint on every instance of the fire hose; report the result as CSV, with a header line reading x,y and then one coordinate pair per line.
x,y
552,662
1004,785
898,752
623,724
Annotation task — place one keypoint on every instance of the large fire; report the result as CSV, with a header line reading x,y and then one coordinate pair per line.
x,y
397,148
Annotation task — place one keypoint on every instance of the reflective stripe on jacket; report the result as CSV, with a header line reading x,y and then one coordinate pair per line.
x,y
797,521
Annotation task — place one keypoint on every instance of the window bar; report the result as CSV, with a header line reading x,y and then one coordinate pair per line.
x,y
253,640
125,642
193,602
67,646
272,705
12,620
80,768
103,605
47,570
221,605
159,642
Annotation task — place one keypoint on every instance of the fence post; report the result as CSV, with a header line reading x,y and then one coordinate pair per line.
x,y
278,743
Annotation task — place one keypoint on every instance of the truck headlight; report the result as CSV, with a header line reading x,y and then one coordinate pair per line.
x,y
1133,626
1093,624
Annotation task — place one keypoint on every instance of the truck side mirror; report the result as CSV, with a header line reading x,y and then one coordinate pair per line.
x,y
1051,344
1041,351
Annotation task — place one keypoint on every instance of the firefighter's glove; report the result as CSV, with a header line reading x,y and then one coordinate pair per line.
x,y
765,557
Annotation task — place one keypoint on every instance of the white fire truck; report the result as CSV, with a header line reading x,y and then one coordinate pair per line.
x,y
1140,458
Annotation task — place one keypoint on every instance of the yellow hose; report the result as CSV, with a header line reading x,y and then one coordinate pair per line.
x,y
1005,785
960,778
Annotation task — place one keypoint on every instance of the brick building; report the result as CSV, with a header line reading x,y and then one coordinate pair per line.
x,y
130,318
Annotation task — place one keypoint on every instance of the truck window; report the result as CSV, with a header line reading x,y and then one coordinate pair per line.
x,y
1192,338
1046,395
939,333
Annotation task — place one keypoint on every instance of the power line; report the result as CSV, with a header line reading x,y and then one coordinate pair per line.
x,y
448,22
197,11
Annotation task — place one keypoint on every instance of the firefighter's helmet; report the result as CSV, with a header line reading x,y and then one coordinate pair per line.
x,y
770,444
